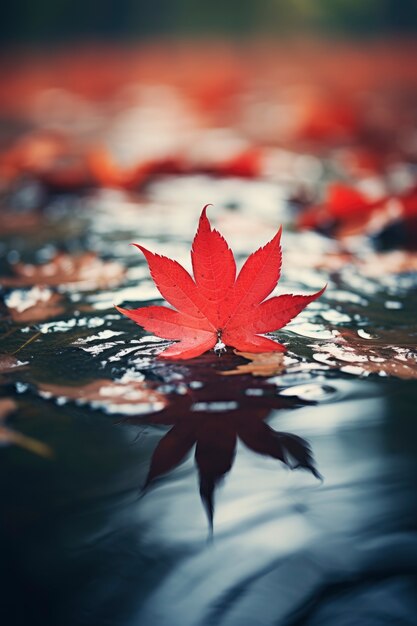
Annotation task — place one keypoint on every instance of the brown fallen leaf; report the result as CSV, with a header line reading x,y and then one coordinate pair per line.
x,y
84,271
9,363
406,369
396,262
372,265
37,305
115,396
261,364
356,355
9,436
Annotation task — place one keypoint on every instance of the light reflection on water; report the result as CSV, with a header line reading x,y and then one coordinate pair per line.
x,y
278,545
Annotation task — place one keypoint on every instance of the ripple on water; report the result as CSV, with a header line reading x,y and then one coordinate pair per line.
x,y
311,392
313,331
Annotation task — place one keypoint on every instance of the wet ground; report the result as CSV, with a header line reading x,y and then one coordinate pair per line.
x,y
192,493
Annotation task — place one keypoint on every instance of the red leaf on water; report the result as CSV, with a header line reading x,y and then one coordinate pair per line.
x,y
342,203
346,212
216,306
245,164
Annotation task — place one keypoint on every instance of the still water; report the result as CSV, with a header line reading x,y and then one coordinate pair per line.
x,y
175,495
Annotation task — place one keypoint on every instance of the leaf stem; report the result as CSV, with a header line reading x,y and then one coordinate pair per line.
x,y
35,336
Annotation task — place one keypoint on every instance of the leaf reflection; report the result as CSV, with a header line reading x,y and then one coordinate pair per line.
x,y
212,416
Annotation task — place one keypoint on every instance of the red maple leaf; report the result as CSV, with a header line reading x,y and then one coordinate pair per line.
x,y
342,203
216,308
347,211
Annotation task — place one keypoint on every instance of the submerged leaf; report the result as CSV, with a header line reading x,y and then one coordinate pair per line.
x,y
112,396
